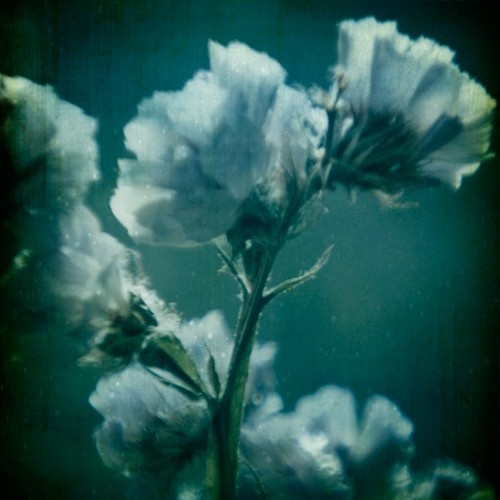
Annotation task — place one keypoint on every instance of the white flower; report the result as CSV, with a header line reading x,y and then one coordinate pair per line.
x,y
202,150
82,277
86,273
149,428
84,255
70,263
322,448
406,114
51,151
98,291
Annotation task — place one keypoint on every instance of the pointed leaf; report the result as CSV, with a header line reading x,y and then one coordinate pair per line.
x,y
213,376
290,284
173,348
169,379
233,268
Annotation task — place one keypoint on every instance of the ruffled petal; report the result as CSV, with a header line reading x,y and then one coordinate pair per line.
x,y
411,117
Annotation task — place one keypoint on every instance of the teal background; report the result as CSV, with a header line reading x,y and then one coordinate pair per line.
x,y
407,307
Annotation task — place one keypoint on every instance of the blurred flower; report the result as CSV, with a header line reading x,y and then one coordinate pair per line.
x,y
100,291
83,278
49,159
322,450
87,263
50,151
61,262
72,263
405,115
202,150
448,480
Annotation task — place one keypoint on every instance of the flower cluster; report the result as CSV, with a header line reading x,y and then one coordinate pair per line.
x,y
236,152
58,260
324,450
155,428
237,144
156,419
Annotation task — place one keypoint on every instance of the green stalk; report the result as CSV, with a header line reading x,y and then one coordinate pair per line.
x,y
225,432
222,469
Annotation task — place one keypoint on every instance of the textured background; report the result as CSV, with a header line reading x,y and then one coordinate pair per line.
x,y
407,307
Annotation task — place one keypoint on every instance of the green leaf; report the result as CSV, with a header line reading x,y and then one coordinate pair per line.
x,y
213,375
231,265
175,351
169,379
290,284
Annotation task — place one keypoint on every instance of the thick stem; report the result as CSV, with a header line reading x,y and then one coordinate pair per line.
x,y
225,436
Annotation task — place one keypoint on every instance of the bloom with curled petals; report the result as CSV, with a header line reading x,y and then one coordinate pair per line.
x,y
406,115
202,150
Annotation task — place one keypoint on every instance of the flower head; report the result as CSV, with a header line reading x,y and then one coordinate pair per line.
x,y
323,450
150,429
406,116
49,159
202,150
156,415
99,291
51,153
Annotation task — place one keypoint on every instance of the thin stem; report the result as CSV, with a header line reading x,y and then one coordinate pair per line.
x,y
233,269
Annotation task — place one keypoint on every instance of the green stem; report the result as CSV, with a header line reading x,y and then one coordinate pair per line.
x,y
225,435
227,416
